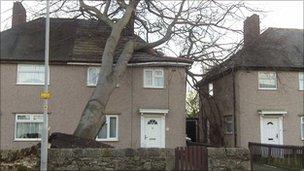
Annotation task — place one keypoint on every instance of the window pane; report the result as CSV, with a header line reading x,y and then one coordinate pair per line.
x,y
93,75
159,81
112,127
23,117
158,73
301,81
28,130
38,118
267,80
103,132
302,128
148,78
210,89
31,74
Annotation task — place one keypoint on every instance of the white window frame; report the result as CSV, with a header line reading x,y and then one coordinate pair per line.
x,y
108,129
88,76
153,70
301,80
264,88
211,89
301,127
27,121
226,122
21,83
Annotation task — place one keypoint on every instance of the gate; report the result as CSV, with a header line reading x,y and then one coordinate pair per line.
x,y
191,158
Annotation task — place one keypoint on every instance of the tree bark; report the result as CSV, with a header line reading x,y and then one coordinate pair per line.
x,y
93,115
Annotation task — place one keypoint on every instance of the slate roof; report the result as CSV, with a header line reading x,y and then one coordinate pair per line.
x,y
71,40
274,49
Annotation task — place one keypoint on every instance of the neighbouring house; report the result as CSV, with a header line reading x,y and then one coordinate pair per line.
x,y
256,95
147,109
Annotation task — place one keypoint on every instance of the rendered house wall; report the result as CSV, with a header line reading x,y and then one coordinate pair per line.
x,y
70,94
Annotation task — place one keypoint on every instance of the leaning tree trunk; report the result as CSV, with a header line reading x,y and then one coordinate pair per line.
x,y
93,115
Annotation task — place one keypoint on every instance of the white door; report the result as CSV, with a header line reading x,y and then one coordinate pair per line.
x,y
152,132
271,130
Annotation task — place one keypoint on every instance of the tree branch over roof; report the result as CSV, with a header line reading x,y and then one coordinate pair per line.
x,y
97,13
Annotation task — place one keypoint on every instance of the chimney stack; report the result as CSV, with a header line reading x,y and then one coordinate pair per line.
x,y
19,14
251,29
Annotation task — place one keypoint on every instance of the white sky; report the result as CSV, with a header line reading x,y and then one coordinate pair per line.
x,y
285,14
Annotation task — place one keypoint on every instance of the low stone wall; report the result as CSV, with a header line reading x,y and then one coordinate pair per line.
x,y
111,159
228,159
120,159
22,159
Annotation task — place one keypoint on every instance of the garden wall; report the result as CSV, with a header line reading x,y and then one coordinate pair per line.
x,y
111,159
121,159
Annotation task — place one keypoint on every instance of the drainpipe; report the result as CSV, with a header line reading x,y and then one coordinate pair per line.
x,y
234,109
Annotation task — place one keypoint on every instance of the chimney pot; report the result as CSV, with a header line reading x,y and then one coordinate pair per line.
x,y
251,29
19,14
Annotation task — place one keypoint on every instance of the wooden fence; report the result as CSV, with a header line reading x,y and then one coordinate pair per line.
x,y
191,158
284,156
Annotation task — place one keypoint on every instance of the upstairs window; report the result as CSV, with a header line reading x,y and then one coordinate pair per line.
x,y
28,74
28,127
301,81
210,89
92,76
302,127
228,124
267,80
153,78
109,131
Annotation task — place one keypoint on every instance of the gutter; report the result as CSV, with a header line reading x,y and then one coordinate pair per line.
x,y
138,64
160,64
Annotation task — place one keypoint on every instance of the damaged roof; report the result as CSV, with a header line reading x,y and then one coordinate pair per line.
x,y
274,49
71,40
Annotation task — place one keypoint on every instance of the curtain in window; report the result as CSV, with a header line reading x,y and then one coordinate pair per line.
x,y
112,127
93,75
148,78
302,127
267,80
31,74
301,80
28,130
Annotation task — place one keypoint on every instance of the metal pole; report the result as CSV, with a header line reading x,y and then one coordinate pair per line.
x,y
44,136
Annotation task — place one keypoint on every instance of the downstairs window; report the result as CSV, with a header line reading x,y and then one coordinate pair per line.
x,y
109,131
28,127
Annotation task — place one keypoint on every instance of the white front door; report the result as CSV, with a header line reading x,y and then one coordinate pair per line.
x,y
152,132
271,130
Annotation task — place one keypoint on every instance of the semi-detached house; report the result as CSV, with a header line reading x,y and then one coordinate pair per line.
x,y
147,108
257,94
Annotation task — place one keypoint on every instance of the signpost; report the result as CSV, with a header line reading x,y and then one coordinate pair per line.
x,y
45,95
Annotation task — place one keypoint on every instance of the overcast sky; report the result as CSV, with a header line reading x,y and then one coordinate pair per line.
x,y
285,14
